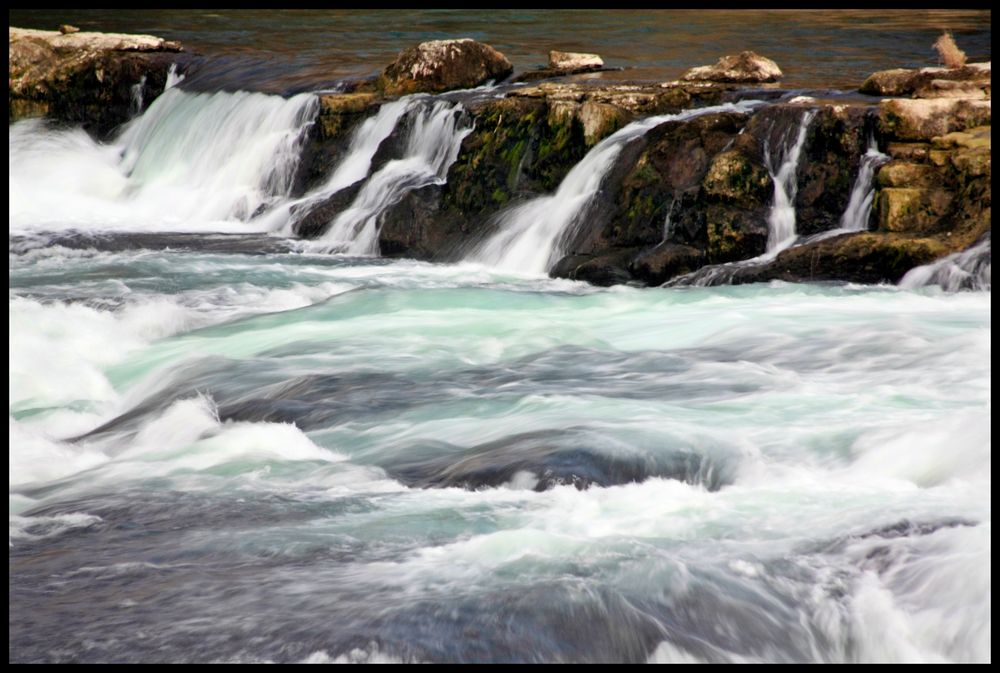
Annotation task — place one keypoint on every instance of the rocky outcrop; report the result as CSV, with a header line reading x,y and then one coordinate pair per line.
x,y
521,146
443,65
970,81
745,67
933,199
917,119
83,77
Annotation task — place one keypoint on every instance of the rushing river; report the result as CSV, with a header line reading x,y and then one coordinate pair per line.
x,y
230,456
228,445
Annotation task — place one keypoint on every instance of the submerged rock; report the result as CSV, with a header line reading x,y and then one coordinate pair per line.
x,y
84,77
745,67
443,65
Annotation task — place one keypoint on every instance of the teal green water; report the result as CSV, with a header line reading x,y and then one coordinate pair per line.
x,y
295,457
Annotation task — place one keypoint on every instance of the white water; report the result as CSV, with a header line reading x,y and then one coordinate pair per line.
x,y
355,165
848,428
137,97
781,219
859,206
967,270
433,141
533,236
191,162
812,465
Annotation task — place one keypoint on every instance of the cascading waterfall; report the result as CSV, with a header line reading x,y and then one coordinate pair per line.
x,y
355,165
781,219
433,141
533,236
137,97
859,206
190,162
174,77
967,270
239,151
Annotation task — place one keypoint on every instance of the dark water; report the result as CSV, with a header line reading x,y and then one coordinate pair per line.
x,y
287,50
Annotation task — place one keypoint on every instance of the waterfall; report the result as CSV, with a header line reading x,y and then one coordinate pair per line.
x,y
781,219
237,152
970,269
173,77
533,236
432,144
859,206
136,103
354,166
190,162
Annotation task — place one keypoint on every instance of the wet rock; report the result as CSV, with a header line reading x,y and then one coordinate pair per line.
x,y
443,65
312,219
734,178
745,67
864,257
907,209
905,174
84,77
573,62
605,269
669,260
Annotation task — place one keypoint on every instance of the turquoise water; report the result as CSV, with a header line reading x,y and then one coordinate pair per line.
x,y
221,456
226,447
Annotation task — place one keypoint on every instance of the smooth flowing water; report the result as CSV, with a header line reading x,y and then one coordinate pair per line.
x,y
224,449
432,144
533,236
783,166
234,457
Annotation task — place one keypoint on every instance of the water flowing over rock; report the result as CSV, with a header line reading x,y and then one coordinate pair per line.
x,y
745,67
970,269
443,65
432,142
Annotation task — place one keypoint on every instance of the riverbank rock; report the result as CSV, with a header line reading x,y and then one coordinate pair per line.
x,y
745,67
969,81
84,77
443,65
